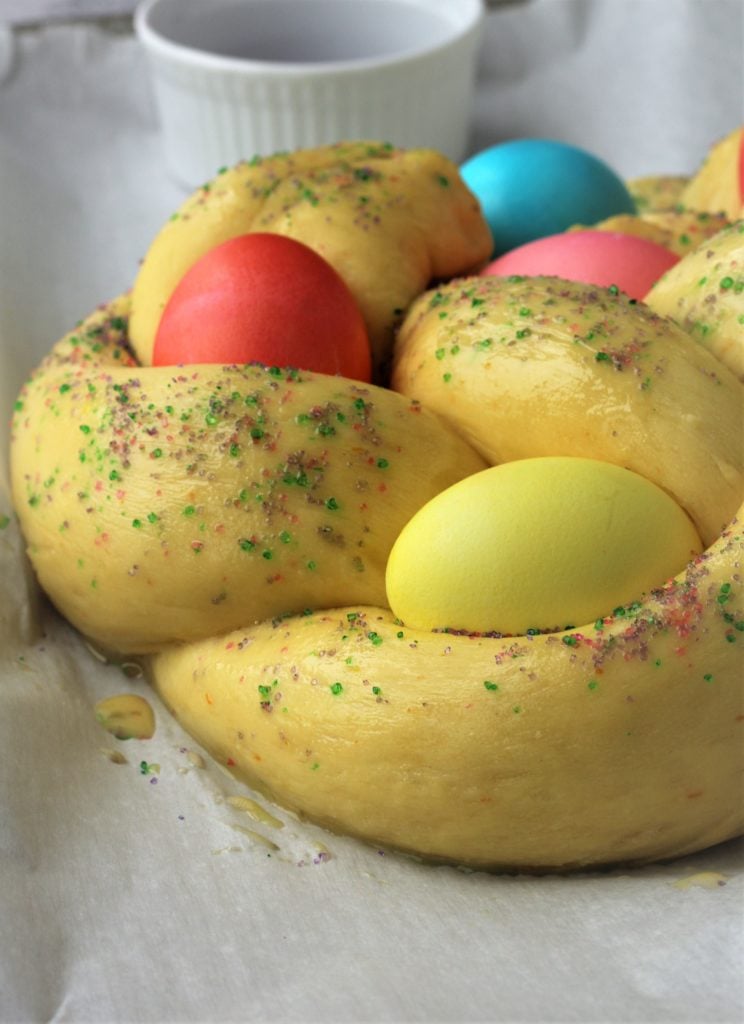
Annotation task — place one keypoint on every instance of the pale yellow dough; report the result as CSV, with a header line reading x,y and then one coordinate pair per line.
x,y
388,220
541,366
704,294
677,229
657,191
161,506
236,522
620,741
715,185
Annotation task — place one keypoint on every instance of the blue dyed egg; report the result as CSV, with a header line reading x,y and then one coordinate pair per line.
x,y
531,188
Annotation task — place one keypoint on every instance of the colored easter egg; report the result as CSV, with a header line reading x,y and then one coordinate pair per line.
x,y
602,258
530,188
536,544
264,298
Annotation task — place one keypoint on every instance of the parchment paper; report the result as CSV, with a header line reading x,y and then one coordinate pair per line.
x,y
132,892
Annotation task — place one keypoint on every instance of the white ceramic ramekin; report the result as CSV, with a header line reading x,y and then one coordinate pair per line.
x,y
235,78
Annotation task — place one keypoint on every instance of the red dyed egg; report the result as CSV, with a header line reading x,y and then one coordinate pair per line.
x,y
602,258
264,298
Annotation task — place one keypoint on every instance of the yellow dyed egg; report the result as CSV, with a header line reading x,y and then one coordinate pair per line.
x,y
540,543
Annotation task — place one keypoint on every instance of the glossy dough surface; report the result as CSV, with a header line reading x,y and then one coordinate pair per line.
x,y
619,741
540,366
388,220
236,522
704,294
162,506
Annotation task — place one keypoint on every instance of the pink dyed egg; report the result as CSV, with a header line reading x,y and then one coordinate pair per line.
x,y
596,257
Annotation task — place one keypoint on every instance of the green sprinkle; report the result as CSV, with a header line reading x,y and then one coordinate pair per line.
x,y
332,504
336,688
137,523
268,555
601,357
157,453
312,566
152,517
446,377
4,521
375,638
84,428
234,450
376,690
210,419
726,283
592,684
440,353
113,475
189,510
285,537
256,433
489,685
246,545
708,677
64,388
382,463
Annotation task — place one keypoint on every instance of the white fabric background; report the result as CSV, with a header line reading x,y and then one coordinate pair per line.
x,y
128,899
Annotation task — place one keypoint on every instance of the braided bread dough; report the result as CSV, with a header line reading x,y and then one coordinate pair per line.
x,y
235,522
390,221
617,741
165,504
539,366
703,294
